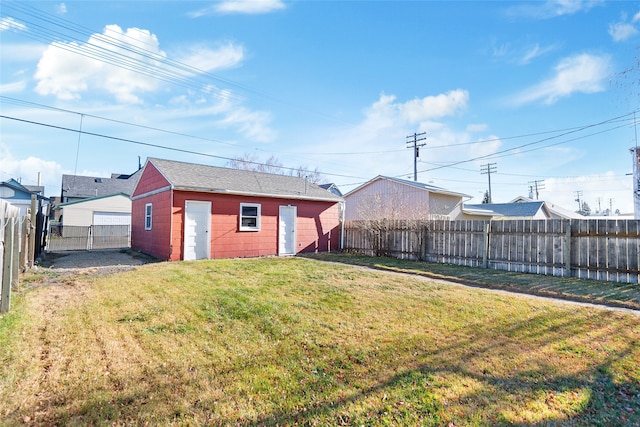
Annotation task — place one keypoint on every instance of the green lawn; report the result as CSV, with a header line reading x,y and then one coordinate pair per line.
x,y
293,341
626,295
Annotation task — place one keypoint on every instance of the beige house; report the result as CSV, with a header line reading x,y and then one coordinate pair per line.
x,y
398,199
114,209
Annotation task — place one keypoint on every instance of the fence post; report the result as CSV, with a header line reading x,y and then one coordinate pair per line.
x,y
32,232
567,249
8,261
485,254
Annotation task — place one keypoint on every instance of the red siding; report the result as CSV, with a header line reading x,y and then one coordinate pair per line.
x,y
150,180
317,224
317,228
157,241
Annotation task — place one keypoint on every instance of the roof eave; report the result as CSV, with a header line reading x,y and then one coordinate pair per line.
x,y
254,194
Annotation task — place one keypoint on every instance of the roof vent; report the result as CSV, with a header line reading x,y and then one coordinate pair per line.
x,y
98,180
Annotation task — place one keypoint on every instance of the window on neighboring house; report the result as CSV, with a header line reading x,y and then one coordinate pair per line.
x,y
148,209
249,217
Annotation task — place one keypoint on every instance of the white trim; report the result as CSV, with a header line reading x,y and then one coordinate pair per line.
x,y
148,214
258,217
207,234
152,193
334,199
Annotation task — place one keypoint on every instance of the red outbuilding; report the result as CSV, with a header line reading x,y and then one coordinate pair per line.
x,y
186,211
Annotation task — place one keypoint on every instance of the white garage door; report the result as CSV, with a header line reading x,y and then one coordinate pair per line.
x,y
111,218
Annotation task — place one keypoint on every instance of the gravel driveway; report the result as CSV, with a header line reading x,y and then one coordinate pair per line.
x,y
108,260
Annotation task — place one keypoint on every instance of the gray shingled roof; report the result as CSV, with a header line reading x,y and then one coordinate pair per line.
x,y
213,179
524,209
82,187
416,184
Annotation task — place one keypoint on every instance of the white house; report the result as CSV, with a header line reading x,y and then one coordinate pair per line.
x,y
398,199
114,209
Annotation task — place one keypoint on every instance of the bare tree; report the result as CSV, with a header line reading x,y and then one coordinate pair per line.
x,y
384,215
251,162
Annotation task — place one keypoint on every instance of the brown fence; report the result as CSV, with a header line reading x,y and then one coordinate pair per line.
x,y
592,248
69,238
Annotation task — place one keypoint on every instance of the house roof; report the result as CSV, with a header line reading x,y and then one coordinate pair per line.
x,y
213,179
333,188
415,184
553,208
76,186
24,189
520,209
90,199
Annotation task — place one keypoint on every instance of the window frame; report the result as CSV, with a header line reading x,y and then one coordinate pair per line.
x,y
257,217
148,216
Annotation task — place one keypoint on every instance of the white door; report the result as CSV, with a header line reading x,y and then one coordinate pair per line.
x,y
197,220
287,230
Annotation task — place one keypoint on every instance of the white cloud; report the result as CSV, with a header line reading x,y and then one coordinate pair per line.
x,y
479,127
206,59
582,73
64,72
598,191
252,7
253,125
622,30
61,9
11,24
26,170
14,87
534,52
553,8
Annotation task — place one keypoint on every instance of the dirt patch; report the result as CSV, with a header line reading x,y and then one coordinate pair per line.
x,y
62,268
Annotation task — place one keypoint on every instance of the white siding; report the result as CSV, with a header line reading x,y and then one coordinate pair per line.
x,y
393,200
82,213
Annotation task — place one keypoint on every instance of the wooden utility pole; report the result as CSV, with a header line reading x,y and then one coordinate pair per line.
x,y
416,151
486,170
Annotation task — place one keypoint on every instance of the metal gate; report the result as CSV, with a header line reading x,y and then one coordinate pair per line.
x,y
70,237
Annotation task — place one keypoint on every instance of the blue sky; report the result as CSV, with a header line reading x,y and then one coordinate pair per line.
x,y
542,91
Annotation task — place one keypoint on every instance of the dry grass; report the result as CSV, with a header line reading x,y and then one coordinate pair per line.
x,y
301,342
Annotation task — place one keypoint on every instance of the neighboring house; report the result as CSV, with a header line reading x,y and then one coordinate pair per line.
x,y
20,195
183,211
519,208
76,187
398,199
332,188
556,212
114,209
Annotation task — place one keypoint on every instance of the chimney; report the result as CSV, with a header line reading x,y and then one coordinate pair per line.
x,y
39,179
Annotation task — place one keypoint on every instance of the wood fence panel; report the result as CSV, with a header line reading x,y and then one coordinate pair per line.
x,y
601,249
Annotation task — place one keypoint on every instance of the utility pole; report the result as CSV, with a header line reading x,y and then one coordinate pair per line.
x,y
538,185
416,151
578,194
486,170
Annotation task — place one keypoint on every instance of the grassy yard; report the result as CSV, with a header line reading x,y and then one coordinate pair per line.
x,y
292,341
626,295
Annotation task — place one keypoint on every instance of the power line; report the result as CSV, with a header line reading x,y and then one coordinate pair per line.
x,y
164,147
131,56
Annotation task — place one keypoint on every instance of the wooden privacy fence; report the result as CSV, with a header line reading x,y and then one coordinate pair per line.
x,y
601,249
